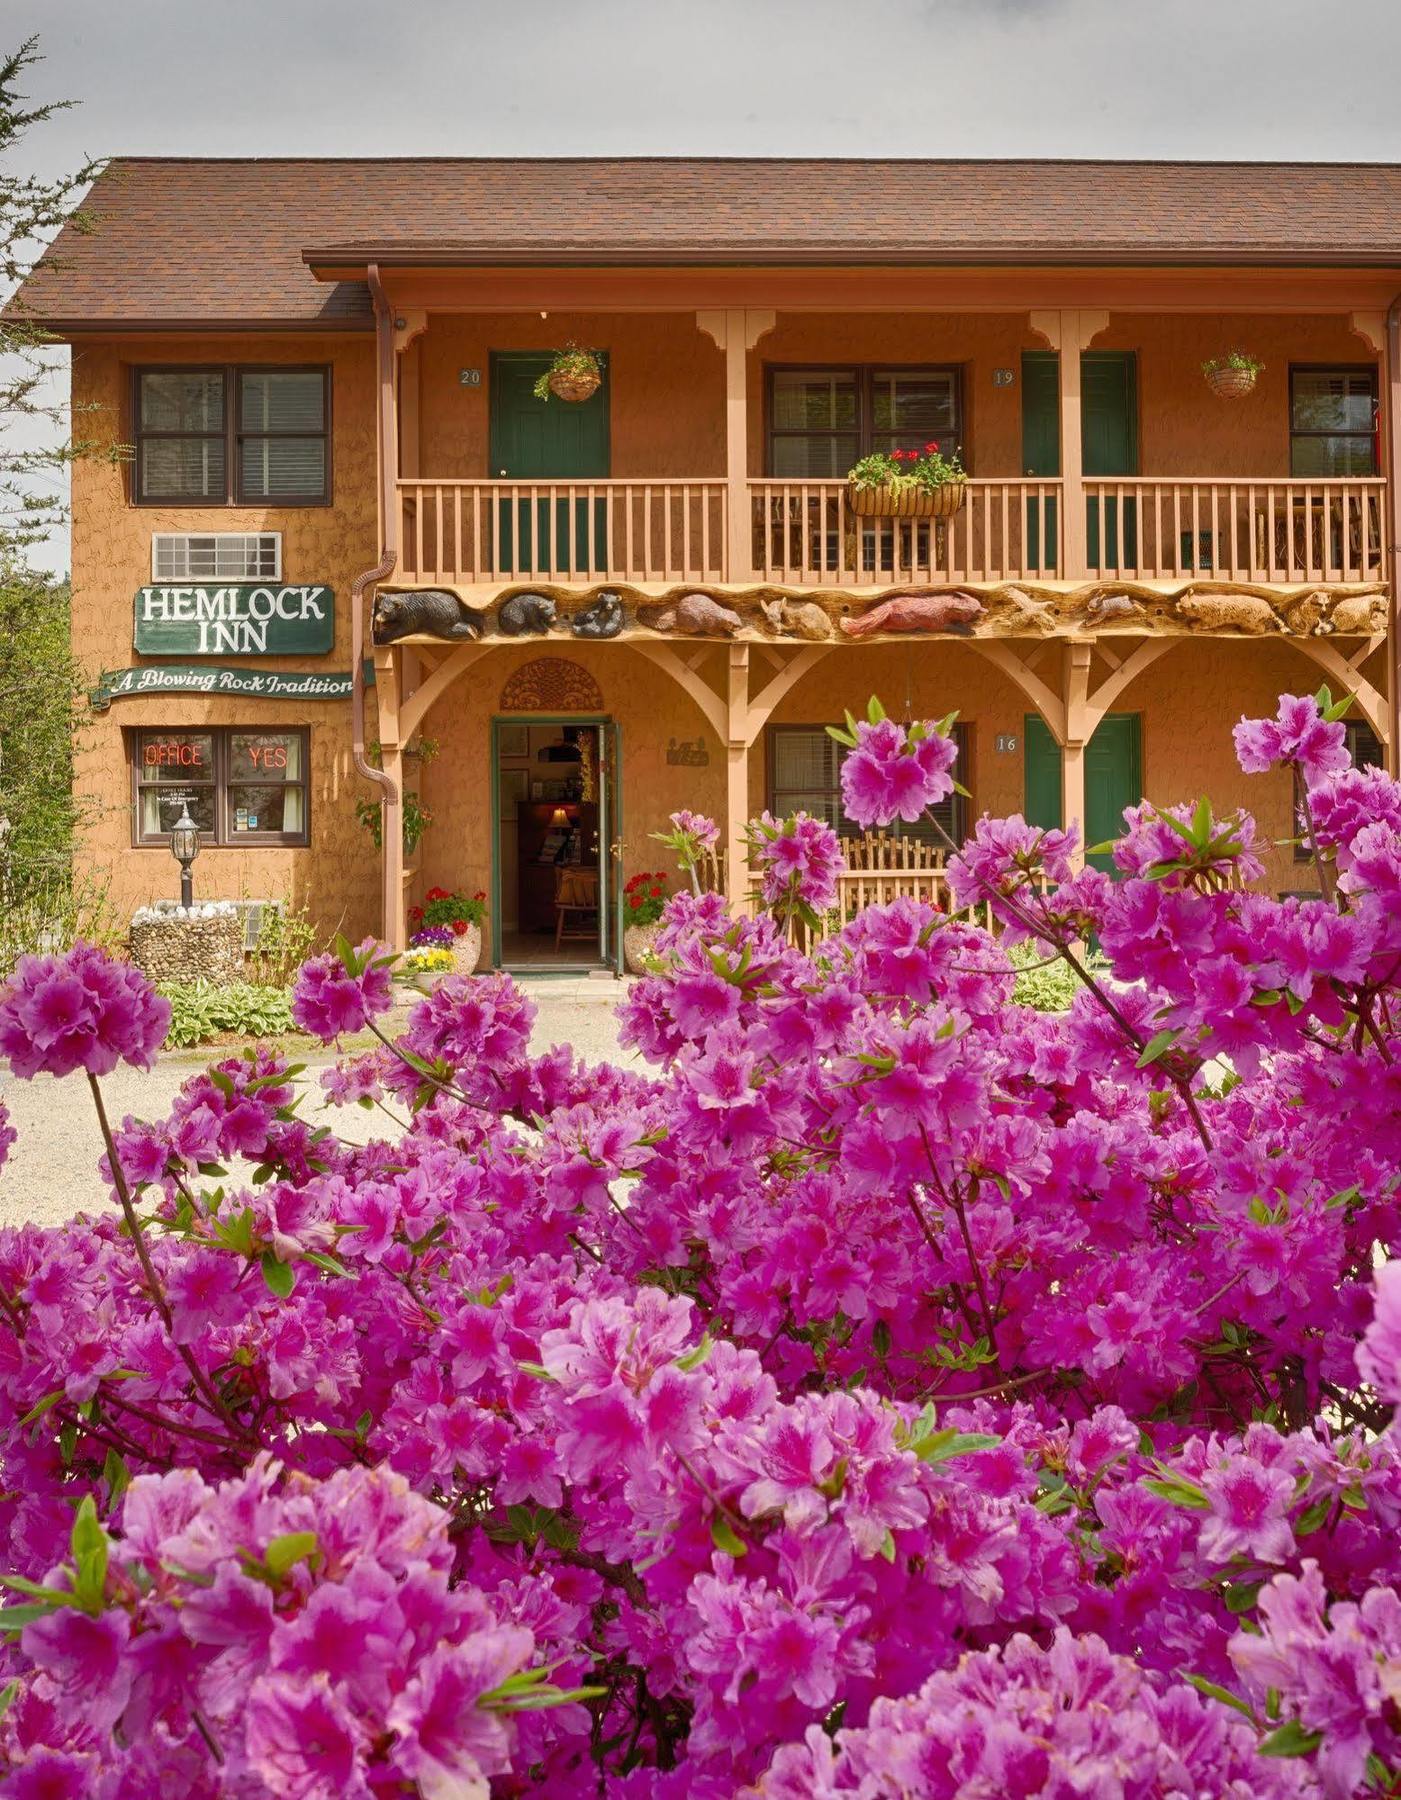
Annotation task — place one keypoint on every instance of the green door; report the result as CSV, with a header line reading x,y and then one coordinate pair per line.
x,y
1113,777
1109,447
546,440
1041,452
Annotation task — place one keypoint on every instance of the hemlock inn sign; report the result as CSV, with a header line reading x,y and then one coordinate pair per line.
x,y
235,619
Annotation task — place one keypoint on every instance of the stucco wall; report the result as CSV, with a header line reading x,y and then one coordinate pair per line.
x,y
337,874
667,383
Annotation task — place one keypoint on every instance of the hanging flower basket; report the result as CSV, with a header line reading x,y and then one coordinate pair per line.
x,y
1233,376
574,375
906,502
906,484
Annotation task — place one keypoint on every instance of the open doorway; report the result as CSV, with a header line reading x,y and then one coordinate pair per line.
x,y
556,815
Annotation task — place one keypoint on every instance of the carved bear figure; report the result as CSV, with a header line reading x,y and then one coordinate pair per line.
x,y
802,618
917,612
525,615
697,615
604,619
1221,612
1306,612
426,612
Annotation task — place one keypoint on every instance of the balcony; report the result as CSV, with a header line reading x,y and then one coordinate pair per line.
x,y
802,534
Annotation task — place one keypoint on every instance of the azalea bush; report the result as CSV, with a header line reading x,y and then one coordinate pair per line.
x,y
887,1391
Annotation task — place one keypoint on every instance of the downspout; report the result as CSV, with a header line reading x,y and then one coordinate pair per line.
x,y
388,556
1393,634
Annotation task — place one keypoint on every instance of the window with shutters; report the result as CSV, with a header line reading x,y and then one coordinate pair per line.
x,y
232,436
823,420
804,770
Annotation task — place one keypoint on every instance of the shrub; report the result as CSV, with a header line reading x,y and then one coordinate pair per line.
x,y
1046,984
200,1011
894,1391
286,938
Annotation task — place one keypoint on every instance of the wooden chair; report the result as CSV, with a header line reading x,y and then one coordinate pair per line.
x,y
576,893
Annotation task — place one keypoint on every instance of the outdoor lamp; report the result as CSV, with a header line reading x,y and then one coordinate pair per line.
x,y
184,847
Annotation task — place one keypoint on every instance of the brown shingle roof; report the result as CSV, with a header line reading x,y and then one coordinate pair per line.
x,y
212,242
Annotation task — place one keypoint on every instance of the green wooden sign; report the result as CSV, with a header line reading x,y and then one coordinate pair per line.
x,y
193,678
235,618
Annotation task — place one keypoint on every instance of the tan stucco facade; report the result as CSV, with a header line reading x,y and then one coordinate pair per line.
x,y
668,419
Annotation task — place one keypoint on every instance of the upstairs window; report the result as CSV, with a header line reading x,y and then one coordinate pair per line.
x,y
823,420
242,436
1332,422
805,776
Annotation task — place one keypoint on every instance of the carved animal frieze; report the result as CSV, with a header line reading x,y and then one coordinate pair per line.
x,y
604,619
1224,612
526,615
918,612
796,618
1305,613
696,615
1024,607
424,612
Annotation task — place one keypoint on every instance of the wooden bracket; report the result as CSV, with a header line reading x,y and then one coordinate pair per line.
x,y
410,322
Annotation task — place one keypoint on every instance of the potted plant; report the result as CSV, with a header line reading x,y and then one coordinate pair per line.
x,y
425,965
573,375
644,897
452,922
907,484
1231,376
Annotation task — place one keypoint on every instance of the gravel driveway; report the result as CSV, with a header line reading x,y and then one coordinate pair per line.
x,y
52,1170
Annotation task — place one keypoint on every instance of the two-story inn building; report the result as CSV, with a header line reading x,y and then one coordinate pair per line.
x,y
355,556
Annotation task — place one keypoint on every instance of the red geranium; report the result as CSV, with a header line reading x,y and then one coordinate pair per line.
x,y
459,926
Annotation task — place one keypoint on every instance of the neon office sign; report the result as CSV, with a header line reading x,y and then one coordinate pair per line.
x,y
235,619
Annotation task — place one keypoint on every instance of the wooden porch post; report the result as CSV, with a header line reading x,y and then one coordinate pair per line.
x,y
1078,729
1068,332
391,811
736,330
737,740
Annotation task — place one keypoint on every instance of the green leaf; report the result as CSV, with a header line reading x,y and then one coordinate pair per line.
x,y
1180,1492
1158,1045
875,712
538,1370
1290,1739
40,1407
21,1584
1313,1517
694,1358
1214,1691
88,1544
887,1546
1241,1596
281,1277
944,1446
724,1536
328,1263
7,1694
285,1552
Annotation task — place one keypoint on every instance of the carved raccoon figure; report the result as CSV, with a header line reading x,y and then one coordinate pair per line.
x,y
424,612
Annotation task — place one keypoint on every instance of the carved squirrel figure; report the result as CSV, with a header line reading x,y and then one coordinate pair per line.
x,y
696,615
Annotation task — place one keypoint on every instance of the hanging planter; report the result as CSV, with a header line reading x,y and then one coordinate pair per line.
x,y
907,484
1232,376
574,375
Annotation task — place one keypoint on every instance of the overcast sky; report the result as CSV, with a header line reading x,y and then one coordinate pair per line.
x,y
1281,79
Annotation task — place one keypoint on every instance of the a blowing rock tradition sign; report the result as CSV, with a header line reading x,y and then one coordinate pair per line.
x,y
257,684
235,618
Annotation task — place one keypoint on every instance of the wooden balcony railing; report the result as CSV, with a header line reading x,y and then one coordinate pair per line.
x,y
805,534
568,531
1257,531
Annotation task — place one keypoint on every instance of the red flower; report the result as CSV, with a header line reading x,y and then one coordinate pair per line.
x,y
634,900
931,449
415,913
436,893
655,892
480,894
459,926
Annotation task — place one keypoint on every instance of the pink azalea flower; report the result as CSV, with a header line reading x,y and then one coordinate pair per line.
x,y
81,1010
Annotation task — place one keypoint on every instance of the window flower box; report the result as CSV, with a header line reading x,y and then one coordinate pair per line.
x,y
907,484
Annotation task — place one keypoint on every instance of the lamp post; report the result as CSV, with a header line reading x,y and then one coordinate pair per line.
x,y
184,847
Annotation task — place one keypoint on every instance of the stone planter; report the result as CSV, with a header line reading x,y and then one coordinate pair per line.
x,y
204,944
467,951
639,941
